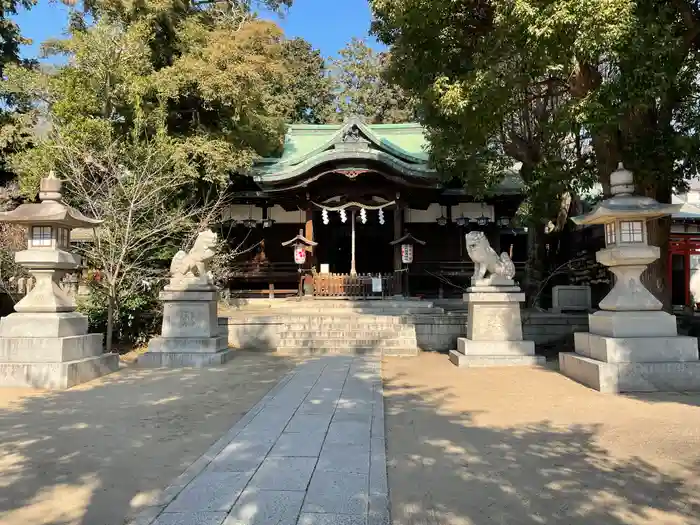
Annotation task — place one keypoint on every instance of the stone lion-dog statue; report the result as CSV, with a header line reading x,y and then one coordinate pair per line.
x,y
486,259
195,263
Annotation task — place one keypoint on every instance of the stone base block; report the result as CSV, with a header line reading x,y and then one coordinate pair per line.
x,y
57,376
188,345
482,361
636,349
49,349
495,348
184,359
632,324
631,377
62,324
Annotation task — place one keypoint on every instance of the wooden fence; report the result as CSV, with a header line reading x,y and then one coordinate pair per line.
x,y
356,286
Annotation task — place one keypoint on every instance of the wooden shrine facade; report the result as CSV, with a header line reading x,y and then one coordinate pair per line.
x,y
353,189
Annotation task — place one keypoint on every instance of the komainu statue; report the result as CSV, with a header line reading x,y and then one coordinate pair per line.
x,y
486,259
195,263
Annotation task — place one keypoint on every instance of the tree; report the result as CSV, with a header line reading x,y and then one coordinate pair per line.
x,y
623,74
134,188
310,84
363,90
157,107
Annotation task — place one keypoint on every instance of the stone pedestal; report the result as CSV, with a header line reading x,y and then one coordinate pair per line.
x,y
494,328
191,335
51,350
633,352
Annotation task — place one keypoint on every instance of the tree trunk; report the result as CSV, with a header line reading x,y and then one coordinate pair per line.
x,y
534,271
655,278
110,323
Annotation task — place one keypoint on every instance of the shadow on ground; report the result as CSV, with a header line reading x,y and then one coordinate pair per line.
x,y
458,460
94,454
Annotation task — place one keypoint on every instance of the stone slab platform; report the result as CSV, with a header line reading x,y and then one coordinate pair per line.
x,y
311,452
631,377
184,359
57,376
481,361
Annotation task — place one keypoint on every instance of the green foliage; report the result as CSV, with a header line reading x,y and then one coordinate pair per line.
x,y
139,316
567,86
310,84
362,89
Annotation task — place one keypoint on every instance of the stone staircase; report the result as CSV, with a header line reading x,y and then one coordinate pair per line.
x,y
338,327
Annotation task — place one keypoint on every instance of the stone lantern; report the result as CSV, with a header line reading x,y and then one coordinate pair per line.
x,y
300,245
631,346
45,342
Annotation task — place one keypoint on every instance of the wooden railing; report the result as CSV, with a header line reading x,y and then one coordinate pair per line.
x,y
265,271
357,286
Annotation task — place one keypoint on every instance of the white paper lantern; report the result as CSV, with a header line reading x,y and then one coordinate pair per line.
x,y
407,253
299,253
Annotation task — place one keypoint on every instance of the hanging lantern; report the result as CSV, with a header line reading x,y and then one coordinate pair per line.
x,y
407,242
363,216
324,216
381,217
407,253
461,220
483,220
299,253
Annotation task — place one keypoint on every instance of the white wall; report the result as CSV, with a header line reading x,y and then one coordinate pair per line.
x,y
280,216
241,212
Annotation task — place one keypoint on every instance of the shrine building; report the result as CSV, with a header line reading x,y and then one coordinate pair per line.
x,y
361,193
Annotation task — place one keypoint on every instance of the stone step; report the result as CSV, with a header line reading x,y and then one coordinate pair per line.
x,y
319,320
313,341
350,333
349,327
320,350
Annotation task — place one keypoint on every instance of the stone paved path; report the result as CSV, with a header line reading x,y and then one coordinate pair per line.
x,y
311,452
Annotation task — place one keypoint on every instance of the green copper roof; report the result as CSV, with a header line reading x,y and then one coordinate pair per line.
x,y
311,148
303,139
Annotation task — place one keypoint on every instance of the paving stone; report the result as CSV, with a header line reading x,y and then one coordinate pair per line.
x,y
344,458
283,473
266,507
241,456
260,436
311,406
350,432
337,493
355,405
211,491
309,518
191,518
309,423
306,444
379,510
270,418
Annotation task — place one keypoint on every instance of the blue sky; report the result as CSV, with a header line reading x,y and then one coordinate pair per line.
x,y
327,29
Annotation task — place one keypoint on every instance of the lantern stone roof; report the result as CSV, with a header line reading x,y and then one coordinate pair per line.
x,y
624,204
400,151
51,210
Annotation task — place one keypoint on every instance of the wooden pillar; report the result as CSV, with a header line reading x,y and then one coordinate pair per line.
x,y
309,234
398,232
353,269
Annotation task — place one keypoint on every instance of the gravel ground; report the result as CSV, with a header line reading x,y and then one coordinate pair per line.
x,y
531,447
95,454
